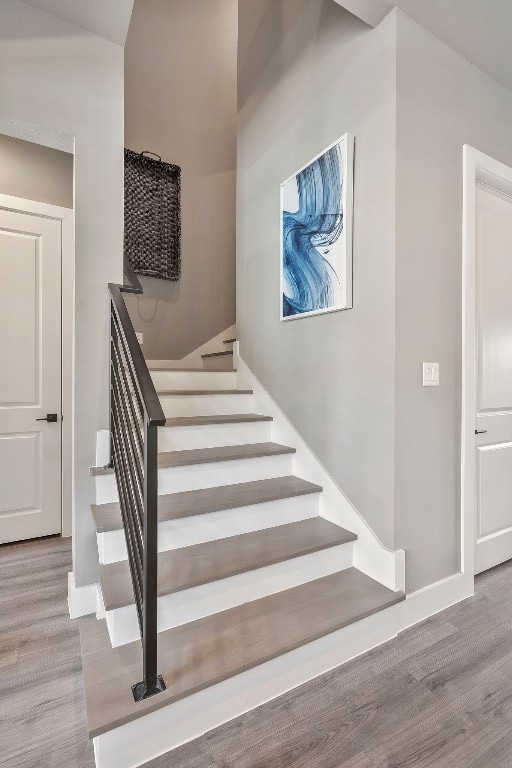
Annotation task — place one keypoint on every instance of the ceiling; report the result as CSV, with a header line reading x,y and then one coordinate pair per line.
x,y
480,30
106,18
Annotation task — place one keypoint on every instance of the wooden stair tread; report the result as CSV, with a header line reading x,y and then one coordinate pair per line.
x,y
205,391
200,654
221,453
180,569
187,370
229,341
175,506
218,354
229,418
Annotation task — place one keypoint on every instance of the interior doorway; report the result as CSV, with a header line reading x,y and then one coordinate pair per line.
x,y
487,362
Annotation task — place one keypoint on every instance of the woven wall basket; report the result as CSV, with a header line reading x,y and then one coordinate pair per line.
x,y
152,221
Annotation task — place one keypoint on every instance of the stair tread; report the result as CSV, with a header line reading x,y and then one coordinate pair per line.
x,y
218,354
207,651
188,567
221,453
205,391
229,341
187,370
175,506
229,418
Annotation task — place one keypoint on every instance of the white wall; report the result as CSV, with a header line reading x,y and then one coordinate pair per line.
x,y
443,102
180,86
309,72
61,77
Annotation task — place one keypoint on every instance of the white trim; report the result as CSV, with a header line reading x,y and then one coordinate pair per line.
x,y
67,219
347,142
478,167
82,601
370,555
436,597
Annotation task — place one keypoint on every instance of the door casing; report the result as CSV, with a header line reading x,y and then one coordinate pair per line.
x,y
477,167
67,219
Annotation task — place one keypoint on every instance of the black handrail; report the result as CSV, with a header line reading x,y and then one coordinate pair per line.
x,y
135,415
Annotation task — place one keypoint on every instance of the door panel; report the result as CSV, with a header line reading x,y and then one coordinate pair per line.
x,y
494,378
30,378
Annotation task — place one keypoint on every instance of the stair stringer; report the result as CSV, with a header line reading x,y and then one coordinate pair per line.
x,y
370,555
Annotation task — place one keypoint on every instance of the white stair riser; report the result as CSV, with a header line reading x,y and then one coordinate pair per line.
x,y
205,405
198,529
218,363
213,435
192,604
137,742
191,380
197,476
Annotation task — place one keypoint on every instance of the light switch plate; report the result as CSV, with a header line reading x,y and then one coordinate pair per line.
x,y
430,374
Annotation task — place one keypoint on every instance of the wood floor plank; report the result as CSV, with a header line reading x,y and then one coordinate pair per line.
x,y
203,501
188,567
195,392
366,714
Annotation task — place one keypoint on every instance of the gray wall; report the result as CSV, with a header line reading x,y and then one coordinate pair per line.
x,y
443,102
35,173
309,72
58,76
180,101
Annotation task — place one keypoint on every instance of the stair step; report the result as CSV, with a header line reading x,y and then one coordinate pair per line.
x,y
229,418
222,453
188,567
179,392
229,341
175,506
218,354
195,656
183,370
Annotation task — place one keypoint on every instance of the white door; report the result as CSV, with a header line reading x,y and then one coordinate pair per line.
x,y
493,422
30,376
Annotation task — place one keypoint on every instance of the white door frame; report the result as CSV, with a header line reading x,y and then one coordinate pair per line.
x,y
67,218
477,167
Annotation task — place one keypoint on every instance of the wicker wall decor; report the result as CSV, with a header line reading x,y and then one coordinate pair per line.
x,y
152,223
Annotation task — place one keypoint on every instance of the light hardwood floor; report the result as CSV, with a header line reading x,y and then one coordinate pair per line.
x,y
440,695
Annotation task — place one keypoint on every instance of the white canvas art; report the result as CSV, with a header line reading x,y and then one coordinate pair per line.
x,y
316,234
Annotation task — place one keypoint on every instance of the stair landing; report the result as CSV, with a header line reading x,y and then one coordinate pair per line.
x,y
208,651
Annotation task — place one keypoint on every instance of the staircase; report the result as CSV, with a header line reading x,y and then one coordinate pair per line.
x,y
249,573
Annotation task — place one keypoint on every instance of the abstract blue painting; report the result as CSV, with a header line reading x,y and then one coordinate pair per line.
x,y
316,234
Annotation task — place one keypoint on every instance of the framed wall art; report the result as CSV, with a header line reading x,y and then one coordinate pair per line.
x,y
316,234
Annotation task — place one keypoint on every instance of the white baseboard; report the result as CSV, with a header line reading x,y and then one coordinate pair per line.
x,y
428,601
81,600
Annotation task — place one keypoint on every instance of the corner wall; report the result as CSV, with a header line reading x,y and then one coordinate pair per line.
x,y
180,102
59,77
309,72
34,172
443,102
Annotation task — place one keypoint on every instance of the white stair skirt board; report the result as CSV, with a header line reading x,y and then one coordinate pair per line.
x,y
82,600
194,380
212,526
148,737
370,555
211,475
194,359
197,602
213,435
205,405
